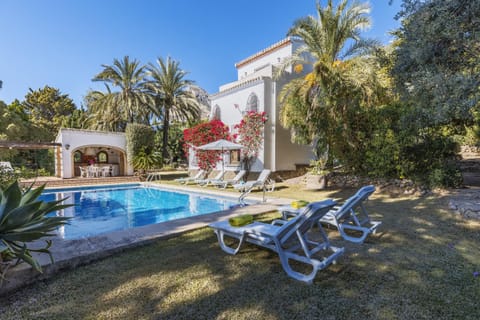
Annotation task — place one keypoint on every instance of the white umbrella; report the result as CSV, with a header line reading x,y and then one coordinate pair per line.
x,y
221,145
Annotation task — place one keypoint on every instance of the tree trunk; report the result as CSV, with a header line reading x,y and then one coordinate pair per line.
x,y
166,123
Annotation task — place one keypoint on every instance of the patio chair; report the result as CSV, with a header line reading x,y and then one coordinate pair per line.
x,y
289,239
200,174
249,185
83,172
205,182
351,216
6,166
225,183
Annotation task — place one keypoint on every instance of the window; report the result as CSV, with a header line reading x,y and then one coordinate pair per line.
x,y
102,157
252,103
216,115
77,156
234,156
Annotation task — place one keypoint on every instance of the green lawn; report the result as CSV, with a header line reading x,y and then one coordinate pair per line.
x,y
419,266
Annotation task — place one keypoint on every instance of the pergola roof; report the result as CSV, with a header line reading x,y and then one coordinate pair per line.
x,y
28,145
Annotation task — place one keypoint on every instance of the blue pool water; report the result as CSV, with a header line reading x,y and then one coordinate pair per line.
x,y
104,209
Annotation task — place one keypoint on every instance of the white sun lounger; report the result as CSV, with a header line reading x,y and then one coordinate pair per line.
x,y
200,174
289,239
249,185
225,183
205,182
351,216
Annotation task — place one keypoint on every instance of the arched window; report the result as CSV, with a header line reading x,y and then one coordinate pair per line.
x,y
252,103
77,156
216,115
102,157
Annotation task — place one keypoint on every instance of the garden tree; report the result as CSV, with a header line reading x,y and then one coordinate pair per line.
x,y
172,99
250,135
437,65
130,101
436,72
14,126
102,112
175,141
47,109
202,134
77,120
328,105
14,122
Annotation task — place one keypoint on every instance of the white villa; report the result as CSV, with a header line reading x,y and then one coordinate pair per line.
x,y
257,90
104,151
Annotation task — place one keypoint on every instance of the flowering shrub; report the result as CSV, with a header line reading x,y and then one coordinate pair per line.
x,y
250,135
202,134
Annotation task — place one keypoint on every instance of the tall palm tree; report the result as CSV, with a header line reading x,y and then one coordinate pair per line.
x,y
130,100
103,113
172,98
342,79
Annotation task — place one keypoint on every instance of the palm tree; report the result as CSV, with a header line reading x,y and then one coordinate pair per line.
x,y
172,98
103,113
342,79
130,101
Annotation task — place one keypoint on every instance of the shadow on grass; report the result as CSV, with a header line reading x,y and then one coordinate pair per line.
x,y
419,266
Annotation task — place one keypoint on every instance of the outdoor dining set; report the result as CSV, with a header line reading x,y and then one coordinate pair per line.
x,y
96,171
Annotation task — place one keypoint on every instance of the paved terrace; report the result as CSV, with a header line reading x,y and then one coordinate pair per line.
x,y
72,253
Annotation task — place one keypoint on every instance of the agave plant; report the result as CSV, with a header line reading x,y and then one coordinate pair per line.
x,y
23,219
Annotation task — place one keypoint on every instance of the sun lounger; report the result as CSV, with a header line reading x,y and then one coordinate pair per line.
x,y
206,182
289,239
225,183
200,174
259,183
351,216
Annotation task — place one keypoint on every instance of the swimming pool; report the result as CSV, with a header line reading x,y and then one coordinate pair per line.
x,y
103,209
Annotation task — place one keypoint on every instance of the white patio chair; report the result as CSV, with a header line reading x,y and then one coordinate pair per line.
x,y
6,166
106,171
83,172
289,239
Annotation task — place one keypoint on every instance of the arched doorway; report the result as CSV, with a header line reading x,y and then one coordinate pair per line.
x,y
99,155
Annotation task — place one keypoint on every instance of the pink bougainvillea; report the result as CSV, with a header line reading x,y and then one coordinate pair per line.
x,y
250,135
202,134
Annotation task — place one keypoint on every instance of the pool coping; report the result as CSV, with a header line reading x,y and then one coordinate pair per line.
x,y
69,254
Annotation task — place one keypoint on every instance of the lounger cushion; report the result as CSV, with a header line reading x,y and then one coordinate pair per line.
x,y
241,220
299,204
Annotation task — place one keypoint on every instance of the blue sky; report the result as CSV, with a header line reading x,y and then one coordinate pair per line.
x,y
63,43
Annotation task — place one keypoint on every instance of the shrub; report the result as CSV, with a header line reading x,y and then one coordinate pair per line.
x,y
139,137
24,219
146,161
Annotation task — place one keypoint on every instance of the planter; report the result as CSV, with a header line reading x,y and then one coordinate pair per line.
x,y
317,182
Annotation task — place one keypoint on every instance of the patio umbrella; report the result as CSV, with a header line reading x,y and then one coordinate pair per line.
x,y
221,145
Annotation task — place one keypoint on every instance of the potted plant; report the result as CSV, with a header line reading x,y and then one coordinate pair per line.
x,y
318,175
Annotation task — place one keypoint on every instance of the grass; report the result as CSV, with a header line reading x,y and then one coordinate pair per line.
x,y
419,266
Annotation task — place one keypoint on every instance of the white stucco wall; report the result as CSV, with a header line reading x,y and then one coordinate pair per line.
x,y
75,139
231,116
255,75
